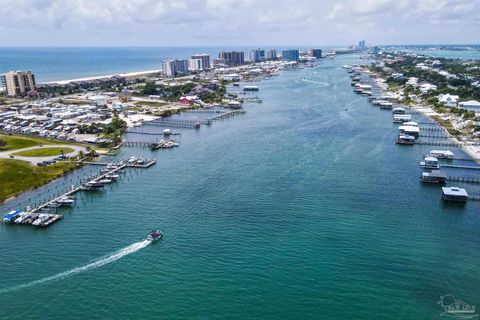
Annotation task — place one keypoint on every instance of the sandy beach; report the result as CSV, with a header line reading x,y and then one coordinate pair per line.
x,y
125,75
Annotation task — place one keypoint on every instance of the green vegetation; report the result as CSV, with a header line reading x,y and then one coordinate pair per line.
x,y
216,96
44,152
173,93
17,176
115,129
151,103
149,88
15,142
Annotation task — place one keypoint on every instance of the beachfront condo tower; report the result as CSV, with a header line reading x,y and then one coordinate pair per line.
x,y
18,83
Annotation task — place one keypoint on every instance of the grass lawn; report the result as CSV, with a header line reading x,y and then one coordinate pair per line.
x,y
44,152
16,141
17,176
151,103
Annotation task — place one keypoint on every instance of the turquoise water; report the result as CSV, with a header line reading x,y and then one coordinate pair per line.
x,y
297,209
454,54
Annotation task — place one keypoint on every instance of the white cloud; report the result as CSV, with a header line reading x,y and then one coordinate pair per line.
x,y
200,22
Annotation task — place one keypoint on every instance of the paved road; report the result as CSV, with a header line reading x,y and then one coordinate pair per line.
x,y
35,160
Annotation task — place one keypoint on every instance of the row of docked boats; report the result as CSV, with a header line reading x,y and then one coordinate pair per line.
x,y
163,144
31,218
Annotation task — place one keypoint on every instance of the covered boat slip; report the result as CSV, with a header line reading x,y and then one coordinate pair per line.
x,y
436,176
429,163
454,194
442,154
409,130
401,118
405,139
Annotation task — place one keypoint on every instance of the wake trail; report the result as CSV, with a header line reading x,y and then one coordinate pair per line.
x,y
95,264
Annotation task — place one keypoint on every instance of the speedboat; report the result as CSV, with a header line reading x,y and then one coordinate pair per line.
x,y
154,235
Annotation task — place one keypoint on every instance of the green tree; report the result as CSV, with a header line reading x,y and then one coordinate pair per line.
x,y
149,88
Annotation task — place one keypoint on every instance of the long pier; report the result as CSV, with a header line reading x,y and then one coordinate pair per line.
x,y
458,166
463,179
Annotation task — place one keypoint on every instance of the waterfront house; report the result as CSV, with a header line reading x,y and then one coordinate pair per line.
x,y
99,100
454,194
448,100
470,104
186,100
425,87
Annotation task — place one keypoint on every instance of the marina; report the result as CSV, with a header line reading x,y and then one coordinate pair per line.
x,y
41,215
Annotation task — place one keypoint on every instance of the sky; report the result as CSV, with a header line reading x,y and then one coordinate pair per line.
x,y
237,22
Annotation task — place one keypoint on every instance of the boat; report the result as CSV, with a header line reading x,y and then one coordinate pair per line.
x,y
154,235
11,216
65,201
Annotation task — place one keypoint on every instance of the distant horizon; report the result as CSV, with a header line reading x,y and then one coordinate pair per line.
x,y
285,46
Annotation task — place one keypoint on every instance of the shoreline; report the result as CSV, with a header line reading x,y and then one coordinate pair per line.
x,y
123,75
471,150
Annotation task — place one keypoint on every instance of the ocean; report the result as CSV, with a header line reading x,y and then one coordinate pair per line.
x,y
302,208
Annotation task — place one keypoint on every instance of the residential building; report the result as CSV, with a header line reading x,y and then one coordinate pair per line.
x,y
361,44
256,55
205,60
271,54
18,83
195,64
172,68
182,66
474,104
448,100
316,53
425,87
232,58
169,68
290,55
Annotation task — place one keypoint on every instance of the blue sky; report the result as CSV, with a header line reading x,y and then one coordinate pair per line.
x,y
236,22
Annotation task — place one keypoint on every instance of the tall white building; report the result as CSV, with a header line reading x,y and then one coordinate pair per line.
x,y
168,68
205,60
195,64
172,68
18,82
271,54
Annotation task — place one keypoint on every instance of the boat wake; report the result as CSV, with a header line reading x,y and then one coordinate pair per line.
x,y
95,264
322,84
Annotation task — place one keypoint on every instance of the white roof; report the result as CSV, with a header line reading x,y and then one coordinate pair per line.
x,y
455,191
472,103
411,124
409,129
445,152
